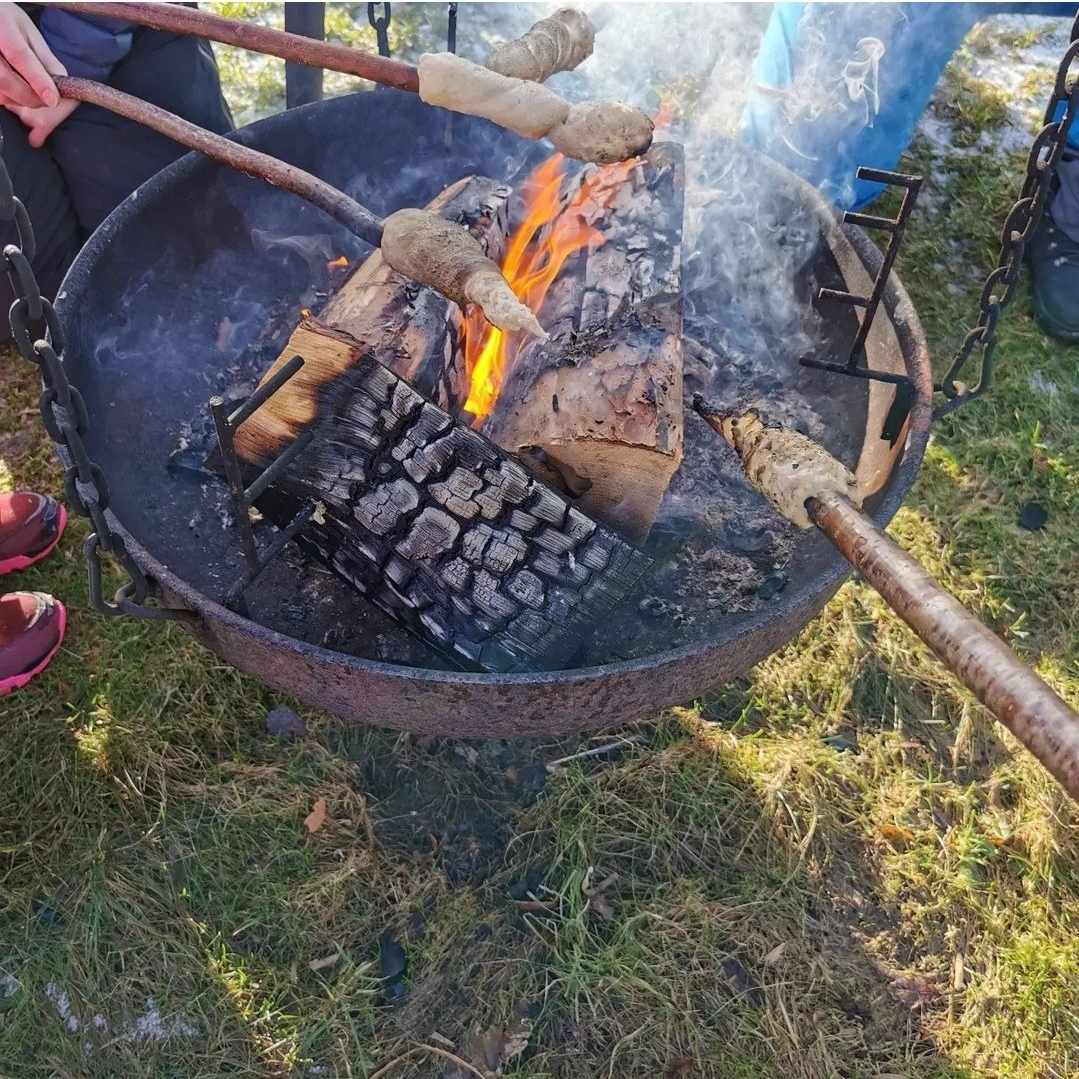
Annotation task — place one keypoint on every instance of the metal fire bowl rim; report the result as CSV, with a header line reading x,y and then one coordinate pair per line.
x,y
913,347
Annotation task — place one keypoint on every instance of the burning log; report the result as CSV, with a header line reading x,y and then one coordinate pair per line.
x,y
436,525
600,403
597,412
407,329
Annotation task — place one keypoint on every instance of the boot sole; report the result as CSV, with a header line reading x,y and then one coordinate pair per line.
x,y
24,561
17,681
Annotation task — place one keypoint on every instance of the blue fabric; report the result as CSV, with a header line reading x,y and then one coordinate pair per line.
x,y
802,113
88,47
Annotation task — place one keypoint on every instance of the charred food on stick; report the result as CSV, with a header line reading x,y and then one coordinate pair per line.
x,y
560,42
603,132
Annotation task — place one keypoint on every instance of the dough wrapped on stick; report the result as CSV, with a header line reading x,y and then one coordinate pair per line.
x,y
560,42
602,132
783,465
426,247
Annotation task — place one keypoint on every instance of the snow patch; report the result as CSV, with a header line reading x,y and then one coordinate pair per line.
x,y
149,1027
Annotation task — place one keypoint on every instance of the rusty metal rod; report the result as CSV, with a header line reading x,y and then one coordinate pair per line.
x,y
338,205
178,19
1043,722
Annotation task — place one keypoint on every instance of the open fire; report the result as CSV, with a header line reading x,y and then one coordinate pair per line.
x,y
535,255
550,233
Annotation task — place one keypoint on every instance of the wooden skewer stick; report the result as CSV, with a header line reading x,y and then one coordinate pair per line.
x,y
590,131
1038,718
177,19
558,43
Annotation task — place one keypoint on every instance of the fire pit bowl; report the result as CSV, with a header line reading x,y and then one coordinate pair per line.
x,y
179,292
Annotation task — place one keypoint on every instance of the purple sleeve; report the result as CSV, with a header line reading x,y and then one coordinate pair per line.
x,y
88,47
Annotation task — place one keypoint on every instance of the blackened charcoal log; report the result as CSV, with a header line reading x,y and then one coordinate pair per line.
x,y
438,526
601,401
409,328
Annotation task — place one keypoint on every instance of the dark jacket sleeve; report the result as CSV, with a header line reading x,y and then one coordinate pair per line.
x,y
88,47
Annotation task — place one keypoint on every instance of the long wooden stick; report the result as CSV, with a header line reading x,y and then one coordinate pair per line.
x,y
1038,718
1041,720
178,19
288,177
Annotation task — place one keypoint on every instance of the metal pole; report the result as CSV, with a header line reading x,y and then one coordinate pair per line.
x,y
303,84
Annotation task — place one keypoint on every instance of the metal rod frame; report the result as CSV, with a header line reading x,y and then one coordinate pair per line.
x,y
857,364
226,423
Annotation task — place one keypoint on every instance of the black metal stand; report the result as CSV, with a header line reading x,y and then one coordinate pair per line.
x,y
303,84
857,365
244,496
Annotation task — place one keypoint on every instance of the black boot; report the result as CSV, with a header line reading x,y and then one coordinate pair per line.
x,y
1054,258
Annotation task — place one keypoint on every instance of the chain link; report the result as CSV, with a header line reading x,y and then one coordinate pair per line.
x,y
1023,218
39,337
381,26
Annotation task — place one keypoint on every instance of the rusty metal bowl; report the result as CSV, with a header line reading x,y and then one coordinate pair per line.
x,y
145,359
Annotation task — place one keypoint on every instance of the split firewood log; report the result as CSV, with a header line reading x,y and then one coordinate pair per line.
x,y
410,328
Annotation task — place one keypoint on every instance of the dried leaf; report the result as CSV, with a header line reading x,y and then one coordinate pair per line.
x,y
317,817
488,1050
895,835
775,955
322,964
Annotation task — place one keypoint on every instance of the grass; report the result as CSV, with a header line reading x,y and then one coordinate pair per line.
x,y
837,867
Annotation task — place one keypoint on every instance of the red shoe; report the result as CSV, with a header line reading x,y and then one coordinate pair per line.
x,y
32,627
30,527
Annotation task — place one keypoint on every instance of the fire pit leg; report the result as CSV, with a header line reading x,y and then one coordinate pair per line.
x,y
303,84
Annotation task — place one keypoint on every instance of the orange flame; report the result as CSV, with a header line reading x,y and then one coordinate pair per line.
x,y
537,251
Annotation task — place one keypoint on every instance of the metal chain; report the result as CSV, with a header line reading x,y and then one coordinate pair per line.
x,y
1019,226
40,339
381,26
451,28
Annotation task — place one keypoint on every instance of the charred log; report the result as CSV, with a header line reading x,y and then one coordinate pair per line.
x,y
439,527
409,328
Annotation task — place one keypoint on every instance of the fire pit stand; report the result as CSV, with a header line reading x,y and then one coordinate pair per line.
x,y
244,495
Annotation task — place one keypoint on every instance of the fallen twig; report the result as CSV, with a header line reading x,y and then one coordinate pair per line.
x,y
425,1048
553,766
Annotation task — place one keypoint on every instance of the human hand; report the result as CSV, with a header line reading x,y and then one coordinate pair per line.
x,y
42,122
27,64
